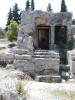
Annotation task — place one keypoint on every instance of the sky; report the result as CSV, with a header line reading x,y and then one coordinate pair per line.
x,y
39,5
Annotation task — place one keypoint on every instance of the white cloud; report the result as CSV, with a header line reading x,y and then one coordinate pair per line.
x,y
39,4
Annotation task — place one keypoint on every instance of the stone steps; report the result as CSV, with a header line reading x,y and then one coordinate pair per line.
x,y
41,53
22,57
41,50
41,56
49,78
45,54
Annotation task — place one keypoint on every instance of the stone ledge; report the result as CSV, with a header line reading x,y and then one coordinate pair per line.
x,y
46,78
22,57
20,51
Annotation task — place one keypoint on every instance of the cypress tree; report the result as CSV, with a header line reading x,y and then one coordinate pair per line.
x,y
10,17
27,5
16,15
32,4
63,6
49,9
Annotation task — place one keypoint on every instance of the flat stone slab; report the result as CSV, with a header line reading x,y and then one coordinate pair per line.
x,y
9,57
22,57
20,51
49,78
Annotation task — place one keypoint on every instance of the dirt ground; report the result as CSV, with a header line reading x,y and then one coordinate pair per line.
x,y
38,90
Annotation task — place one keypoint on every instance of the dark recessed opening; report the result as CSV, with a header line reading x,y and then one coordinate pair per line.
x,y
43,38
60,34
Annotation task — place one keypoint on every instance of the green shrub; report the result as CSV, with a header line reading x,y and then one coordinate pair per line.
x,y
2,64
61,45
70,44
19,88
12,32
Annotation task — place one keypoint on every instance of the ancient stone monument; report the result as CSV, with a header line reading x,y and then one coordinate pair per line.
x,y
38,39
45,28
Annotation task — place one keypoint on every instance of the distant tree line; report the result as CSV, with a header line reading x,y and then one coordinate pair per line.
x,y
30,6
14,14
63,7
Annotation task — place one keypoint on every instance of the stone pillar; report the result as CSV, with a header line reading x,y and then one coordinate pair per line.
x,y
52,37
69,32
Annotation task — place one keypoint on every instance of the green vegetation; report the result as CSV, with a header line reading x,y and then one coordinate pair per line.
x,y
20,90
13,15
63,6
73,59
16,15
10,17
3,64
49,9
12,31
70,45
73,21
32,5
27,5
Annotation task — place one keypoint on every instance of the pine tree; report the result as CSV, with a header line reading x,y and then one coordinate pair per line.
x,y
27,5
63,6
16,15
49,9
32,4
10,17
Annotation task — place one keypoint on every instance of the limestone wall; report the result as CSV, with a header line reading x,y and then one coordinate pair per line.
x,y
37,62
71,60
31,19
44,18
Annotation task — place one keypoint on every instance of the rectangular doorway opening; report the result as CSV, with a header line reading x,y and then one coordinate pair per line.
x,y
60,34
43,37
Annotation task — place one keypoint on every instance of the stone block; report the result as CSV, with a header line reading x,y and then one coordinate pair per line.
x,y
46,63
48,78
20,51
23,57
24,64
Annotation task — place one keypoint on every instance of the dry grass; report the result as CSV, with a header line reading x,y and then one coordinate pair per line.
x,y
20,89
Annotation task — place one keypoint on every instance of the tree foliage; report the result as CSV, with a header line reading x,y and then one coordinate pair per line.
x,y
10,17
27,5
12,31
16,15
49,9
73,21
63,6
32,5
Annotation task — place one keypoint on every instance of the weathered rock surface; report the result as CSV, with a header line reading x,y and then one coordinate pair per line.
x,y
8,81
32,19
9,57
35,90
36,62
71,60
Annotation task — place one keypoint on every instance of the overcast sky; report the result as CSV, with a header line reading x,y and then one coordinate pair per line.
x,y
39,4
